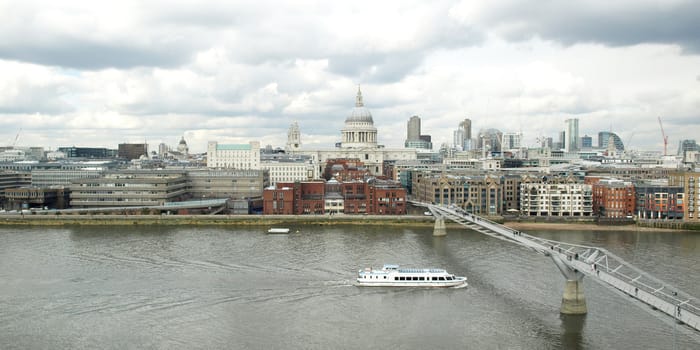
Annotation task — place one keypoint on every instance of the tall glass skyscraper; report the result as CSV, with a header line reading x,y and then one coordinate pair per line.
x,y
571,138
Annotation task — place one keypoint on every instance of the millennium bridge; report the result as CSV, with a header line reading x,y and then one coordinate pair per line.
x,y
578,261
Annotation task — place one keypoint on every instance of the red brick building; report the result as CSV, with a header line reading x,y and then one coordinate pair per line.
x,y
613,198
374,197
345,170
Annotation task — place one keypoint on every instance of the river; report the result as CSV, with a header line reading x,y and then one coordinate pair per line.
x,y
164,287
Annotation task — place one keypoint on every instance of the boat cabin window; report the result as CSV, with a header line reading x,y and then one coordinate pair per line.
x,y
449,278
434,278
442,278
415,278
421,278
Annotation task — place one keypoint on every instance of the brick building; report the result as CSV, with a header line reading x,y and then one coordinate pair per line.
x,y
612,198
374,197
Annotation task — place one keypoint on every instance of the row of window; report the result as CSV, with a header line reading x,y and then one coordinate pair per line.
x,y
416,278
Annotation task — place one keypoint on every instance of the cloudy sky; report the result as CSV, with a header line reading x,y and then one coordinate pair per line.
x,y
102,73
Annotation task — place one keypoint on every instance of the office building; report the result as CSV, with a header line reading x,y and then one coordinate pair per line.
x,y
236,156
571,138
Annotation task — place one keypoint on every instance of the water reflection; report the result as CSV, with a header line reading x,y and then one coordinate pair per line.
x,y
572,331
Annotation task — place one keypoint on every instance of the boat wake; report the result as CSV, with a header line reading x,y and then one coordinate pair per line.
x,y
463,285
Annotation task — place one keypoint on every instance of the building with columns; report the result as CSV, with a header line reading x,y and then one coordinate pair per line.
x,y
359,140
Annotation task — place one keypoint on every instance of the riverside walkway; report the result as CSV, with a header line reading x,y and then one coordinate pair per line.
x,y
598,264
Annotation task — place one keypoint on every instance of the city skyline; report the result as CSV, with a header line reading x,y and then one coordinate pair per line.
x,y
76,73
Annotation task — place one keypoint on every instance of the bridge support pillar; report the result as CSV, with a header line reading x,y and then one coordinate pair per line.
x,y
439,229
573,302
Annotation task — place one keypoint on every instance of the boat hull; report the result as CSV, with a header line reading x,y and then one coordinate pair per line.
x,y
458,282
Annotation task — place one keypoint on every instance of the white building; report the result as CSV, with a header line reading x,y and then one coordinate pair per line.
x,y
287,171
237,156
556,199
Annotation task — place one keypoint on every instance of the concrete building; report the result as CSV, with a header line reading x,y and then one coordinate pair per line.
x,y
414,139
226,183
122,189
63,177
36,198
237,156
12,179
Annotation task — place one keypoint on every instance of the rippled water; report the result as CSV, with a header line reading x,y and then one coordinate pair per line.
x,y
239,288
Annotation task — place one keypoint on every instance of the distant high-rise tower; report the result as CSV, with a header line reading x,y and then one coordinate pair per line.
x,y
293,138
571,138
511,140
413,137
605,137
586,141
462,138
413,129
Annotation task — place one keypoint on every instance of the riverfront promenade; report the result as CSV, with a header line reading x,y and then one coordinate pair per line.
x,y
280,220
223,220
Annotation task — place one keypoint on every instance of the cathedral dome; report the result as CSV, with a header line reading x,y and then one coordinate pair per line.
x,y
359,114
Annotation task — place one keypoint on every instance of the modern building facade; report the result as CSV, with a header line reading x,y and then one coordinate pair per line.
x,y
130,151
63,177
606,137
88,152
462,137
663,202
689,181
555,199
571,138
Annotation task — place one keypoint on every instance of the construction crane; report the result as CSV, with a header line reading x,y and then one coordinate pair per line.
x,y
16,138
663,134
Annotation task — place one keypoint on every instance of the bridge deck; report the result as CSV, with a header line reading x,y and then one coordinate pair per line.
x,y
597,263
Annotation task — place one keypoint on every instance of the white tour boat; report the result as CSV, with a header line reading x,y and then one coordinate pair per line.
x,y
392,276
278,230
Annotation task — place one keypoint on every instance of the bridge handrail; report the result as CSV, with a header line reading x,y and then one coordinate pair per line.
x,y
589,260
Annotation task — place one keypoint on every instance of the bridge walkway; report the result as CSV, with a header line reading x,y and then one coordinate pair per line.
x,y
596,263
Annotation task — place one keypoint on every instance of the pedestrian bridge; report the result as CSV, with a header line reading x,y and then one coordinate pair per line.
x,y
578,261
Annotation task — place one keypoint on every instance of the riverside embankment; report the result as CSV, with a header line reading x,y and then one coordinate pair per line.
x,y
340,219
221,220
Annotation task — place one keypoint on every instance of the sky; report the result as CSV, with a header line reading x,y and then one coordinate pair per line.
x,y
96,74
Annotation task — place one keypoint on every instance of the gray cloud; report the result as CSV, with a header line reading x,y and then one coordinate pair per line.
x,y
612,24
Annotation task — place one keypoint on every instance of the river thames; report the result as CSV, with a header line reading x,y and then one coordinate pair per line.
x,y
164,287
